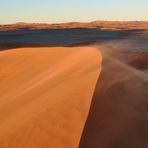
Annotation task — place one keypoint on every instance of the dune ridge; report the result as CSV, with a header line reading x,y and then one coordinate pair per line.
x,y
45,95
103,25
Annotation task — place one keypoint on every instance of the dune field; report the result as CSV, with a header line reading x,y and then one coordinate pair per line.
x,y
74,85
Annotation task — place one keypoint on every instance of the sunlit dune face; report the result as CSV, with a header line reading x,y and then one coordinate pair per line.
x,y
45,95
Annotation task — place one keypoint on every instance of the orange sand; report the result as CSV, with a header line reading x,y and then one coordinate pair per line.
x,y
45,95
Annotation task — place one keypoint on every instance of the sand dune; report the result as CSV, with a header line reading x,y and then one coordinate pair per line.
x,y
71,34
46,92
45,95
103,25
119,114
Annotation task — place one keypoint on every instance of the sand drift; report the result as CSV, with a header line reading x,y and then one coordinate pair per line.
x,y
118,115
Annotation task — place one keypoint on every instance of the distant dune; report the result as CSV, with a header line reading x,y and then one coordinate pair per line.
x,y
68,34
103,25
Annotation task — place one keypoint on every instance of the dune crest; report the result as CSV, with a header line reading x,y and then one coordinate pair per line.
x,y
45,95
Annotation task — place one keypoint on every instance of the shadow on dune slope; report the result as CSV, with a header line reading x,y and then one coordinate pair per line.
x,y
140,61
118,116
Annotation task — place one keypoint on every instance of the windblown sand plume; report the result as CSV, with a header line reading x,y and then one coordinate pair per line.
x,y
118,114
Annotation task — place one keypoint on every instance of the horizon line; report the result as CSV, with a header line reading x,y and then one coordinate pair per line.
x,y
48,23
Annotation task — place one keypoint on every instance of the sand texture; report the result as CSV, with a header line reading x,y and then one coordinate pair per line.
x,y
119,111
45,95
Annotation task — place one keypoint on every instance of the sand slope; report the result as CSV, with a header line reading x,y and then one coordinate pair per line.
x,y
118,117
45,94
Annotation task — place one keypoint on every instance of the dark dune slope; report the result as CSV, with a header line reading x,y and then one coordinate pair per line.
x,y
118,116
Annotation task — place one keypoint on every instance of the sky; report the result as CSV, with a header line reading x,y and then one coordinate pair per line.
x,y
56,11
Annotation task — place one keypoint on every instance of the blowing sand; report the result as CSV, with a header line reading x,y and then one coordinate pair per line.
x,y
45,95
118,116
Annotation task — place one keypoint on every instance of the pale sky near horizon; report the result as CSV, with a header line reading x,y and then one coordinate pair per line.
x,y
54,11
